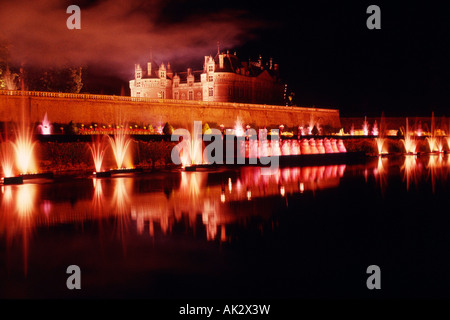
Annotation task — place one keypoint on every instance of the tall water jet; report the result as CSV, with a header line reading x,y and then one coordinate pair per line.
x,y
408,140
380,143
190,150
45,127
365,127
98,149
24,147
434,143
119,144
352,130
238,128
375,130
7,159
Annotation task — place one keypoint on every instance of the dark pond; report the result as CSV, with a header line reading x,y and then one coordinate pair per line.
x,y
308,232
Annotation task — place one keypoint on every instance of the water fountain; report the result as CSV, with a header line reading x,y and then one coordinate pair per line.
x,y
352,130
98,150
334,146
435,144
304,147
312,145
7,162
45,127
375,130
408,140
238,128
380,133
295,147
120,143
340,145
320,146
190,148
286,148
23,148
365,127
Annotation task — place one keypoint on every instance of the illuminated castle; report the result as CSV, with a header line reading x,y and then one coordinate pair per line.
x,y
224,78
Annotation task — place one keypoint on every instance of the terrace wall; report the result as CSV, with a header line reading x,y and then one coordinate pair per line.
x,y
105,109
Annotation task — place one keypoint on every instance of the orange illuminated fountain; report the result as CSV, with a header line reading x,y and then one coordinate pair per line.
x,y
435,144
18,154
98,150
7,162
408,140
24,147
120,144
365,127
192,154
45,127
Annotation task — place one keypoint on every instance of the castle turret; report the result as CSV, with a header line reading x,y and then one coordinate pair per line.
x,y
137,71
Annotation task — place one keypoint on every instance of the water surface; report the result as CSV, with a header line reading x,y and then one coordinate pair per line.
x,y
302,232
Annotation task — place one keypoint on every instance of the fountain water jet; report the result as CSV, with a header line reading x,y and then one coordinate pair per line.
x,y
45,127
98,150
375,130
365,127
119,144
408,140
7,159
23,147
434,143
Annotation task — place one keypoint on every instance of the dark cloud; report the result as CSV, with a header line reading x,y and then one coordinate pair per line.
x,y
115,34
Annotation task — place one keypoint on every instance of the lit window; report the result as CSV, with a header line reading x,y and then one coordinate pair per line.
x,y
210,92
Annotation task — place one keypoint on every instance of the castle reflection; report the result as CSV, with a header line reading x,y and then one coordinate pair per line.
x,y
160,200
204,202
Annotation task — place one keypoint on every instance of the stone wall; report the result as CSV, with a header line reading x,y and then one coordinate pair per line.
x,y
101,109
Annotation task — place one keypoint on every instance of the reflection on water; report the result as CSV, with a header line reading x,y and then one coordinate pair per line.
x,y
415,170
208,203
149,204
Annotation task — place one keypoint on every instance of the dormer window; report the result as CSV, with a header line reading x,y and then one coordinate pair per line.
x,y
138,75
210,68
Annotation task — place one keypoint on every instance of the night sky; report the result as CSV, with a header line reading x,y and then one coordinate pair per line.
x,y
325,52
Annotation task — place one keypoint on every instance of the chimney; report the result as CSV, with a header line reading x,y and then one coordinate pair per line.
x,y
270,64
149,68
221,61
206,61
189,71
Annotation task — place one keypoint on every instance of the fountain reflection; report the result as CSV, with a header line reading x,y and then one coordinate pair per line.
x,y
18,216
204,203
411,169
